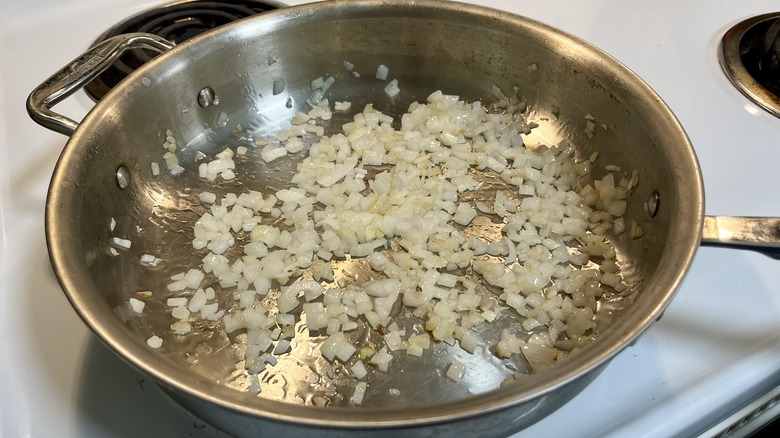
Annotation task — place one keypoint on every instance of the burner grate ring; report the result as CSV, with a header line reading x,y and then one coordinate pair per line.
x,y
750,56
176,22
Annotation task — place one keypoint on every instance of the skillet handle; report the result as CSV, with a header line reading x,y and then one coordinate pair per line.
x,y
760,234
79,73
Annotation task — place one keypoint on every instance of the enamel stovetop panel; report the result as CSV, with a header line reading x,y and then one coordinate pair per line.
x,y
716,348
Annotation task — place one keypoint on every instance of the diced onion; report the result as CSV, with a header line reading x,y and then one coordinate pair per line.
x,y
456,371
382,71
360,392
359,370
155,341
121,243
414,220
137,305
392,89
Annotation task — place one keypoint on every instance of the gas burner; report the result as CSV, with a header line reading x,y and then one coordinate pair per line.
x,y
750,57
176,22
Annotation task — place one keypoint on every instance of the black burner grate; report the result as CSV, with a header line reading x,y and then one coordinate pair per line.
x,y
759,50
176,22
750,56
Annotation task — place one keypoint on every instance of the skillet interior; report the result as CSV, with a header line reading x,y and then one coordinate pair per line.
x,y
459,49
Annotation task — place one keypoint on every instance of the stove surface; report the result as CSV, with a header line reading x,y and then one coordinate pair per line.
x,y
716,349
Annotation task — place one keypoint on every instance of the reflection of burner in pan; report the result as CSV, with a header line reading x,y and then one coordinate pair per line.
x,y
175,22
750,56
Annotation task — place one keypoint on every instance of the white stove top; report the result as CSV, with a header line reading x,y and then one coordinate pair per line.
x,y
716,349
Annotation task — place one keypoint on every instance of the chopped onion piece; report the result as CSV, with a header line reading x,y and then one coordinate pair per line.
x,y
137,305
181,327
176,302
342,106
464,214
382,360
456,371
155,341
181,312
282,347
391,89
382,71
150,260
270,153
359,370
360,392
121,243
